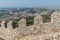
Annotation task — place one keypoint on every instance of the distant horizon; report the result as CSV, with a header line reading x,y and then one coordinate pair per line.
x,y
29,3
33,7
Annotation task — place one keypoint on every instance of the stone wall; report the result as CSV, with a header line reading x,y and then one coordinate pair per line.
x,y
37,31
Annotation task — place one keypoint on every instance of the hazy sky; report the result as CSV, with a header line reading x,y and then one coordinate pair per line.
x,y
29,3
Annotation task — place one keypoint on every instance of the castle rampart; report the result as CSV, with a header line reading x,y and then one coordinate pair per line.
x,y
33,32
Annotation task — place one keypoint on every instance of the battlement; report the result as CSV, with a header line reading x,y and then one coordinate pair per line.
x,y
55,17
21,23
38,26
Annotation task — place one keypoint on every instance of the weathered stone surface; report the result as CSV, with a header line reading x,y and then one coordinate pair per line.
x,y
9,24
55,17
38,19
22,23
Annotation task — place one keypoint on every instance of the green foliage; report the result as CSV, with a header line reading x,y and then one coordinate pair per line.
x,y
46,18
30,20
15,23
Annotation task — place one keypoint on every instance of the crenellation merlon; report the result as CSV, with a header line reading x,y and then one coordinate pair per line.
x,y
22,23
3,24
9,24
38,19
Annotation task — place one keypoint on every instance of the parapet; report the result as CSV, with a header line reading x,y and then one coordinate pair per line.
x,y
37,28
38,20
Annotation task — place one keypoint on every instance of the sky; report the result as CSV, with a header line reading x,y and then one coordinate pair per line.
x,y
29,3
